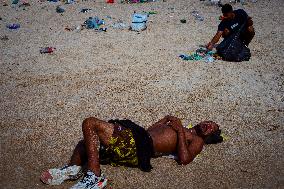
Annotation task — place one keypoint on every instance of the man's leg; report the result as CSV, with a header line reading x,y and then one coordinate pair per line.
x,y
79,156
95,131
248,35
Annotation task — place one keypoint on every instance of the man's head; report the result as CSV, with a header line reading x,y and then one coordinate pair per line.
x,y
209,131
227,11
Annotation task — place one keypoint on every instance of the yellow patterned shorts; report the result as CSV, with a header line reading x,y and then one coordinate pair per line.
x,y
121,149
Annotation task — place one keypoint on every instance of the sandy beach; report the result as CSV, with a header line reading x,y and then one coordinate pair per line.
x,y
139,76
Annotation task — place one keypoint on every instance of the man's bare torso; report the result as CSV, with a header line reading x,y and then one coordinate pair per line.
x,y
164,139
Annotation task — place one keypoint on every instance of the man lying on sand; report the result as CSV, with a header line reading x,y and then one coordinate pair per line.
x,y
232,20
122,142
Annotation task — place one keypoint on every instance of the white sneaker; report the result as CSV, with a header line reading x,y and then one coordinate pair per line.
x,y
91,181
58,176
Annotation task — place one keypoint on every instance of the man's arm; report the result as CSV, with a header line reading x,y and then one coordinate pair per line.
x,y
214,40
186,152
163,121
249,21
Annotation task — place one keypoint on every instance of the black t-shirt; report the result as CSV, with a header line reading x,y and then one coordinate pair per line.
x,y
234,24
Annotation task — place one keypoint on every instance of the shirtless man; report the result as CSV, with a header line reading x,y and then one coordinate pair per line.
x,y
122,142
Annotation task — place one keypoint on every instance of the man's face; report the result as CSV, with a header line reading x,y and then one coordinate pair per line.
x,y
207,127
228,16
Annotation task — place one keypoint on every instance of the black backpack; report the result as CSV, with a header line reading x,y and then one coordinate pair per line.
x,y
233,48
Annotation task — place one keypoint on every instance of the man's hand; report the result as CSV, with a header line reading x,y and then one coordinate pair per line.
x,y
209,46
175,123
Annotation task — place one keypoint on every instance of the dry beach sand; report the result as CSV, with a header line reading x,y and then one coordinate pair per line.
x,y
124,74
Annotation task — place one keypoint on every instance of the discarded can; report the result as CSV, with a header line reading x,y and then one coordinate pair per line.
x,y
47,50
13,26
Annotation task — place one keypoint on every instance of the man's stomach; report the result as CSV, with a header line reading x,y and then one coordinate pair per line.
x,y
164,140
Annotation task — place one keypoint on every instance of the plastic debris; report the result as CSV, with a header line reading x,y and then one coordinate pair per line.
x,y
59,9
201,54
139,22
47,50
94,23
152,12
85,10
120,25
15,2
224,137
183,21
13,26
197,15
69,2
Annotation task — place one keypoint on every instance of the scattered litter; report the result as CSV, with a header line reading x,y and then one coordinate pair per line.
x,y
201,54
137,1
53,1
224,137
59,9
13,26
15,2
5,38
69,2
152,12
139,22
197,15
120,25
110,1
95,23
77,28
25,4
47,50
85,10
183,21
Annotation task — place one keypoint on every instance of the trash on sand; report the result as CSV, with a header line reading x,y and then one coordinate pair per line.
x,y
120,25
183,21
15,2
69,1
85,10
152,12
53,1
110,1
224,137
25,4
137,1
197,15
94,23
139,22
200,54
13,26
59,9
47,50
5,38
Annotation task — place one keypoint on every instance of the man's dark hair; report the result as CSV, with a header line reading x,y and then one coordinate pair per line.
x,y
227,8
214,138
